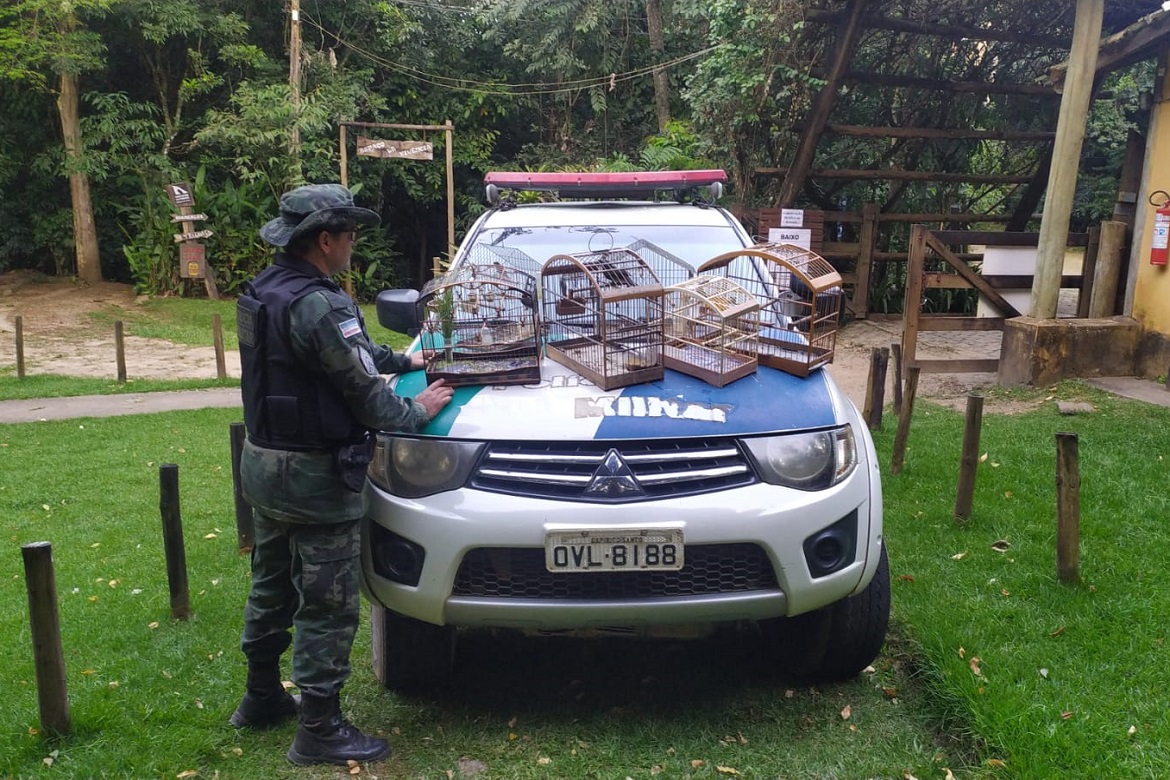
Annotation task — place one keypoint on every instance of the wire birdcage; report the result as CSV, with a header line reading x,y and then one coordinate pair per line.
x,y
800,295
602,316
711,329
479,326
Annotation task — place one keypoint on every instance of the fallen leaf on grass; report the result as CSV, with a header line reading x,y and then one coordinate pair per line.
x,y
983,457
1001,545
845,713
697,762
726,770
1044,673
959,556
187,773
908,776
209,536
962,652
1066,715
1004,592
949,775
996,762
890,692
1007,494
974,663
1058,631
1131,730
905,578
544,760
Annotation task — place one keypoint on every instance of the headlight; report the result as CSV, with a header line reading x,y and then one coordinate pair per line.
x,y
413,468
806,461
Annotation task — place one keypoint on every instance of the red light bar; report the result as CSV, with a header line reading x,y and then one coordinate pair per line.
x,y
596,185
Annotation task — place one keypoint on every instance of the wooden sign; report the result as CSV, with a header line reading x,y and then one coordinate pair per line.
x,y
187,217
180,195
193,236
192,261
407,150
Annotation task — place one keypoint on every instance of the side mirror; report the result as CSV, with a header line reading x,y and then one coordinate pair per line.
x,y
398,311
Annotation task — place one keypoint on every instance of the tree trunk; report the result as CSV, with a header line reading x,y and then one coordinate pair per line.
x,y
661,79
89,267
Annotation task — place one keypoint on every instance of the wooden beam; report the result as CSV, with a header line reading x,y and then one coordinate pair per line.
x,y
971,87
947,133
890,174
875,22
847,36
1066,155
1143,39
964,270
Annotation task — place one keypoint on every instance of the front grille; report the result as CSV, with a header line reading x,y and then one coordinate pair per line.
x,y
659,468
520,573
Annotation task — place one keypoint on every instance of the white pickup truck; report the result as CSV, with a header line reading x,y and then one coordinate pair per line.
x,y
755,505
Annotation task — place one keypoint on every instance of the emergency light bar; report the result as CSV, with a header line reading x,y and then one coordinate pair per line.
x,y
603,185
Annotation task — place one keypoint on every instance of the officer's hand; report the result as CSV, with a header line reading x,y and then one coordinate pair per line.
x,y
436,396
417,360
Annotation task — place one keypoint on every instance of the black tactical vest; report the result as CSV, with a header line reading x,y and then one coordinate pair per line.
x,y
286,406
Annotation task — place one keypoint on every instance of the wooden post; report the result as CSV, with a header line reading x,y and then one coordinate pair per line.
x,y
217,340
1068,509
903,431
1066,155
19,347
912,304
1088,271
896,351
970,459
120,350
48,656
245,521
867,245
875,394
172,522
1107,270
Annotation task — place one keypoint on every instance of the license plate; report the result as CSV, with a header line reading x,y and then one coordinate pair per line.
x,y
605,551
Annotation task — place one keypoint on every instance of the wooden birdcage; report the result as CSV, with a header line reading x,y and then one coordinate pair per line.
x,y
602,316
479,326
800,297
711,329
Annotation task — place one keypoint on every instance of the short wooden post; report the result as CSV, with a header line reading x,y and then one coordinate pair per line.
x,y
48,656
172,522
217,340
19,347
120,349
970,459
876,393
903,431
1068,509
896,353
1107,273
245,521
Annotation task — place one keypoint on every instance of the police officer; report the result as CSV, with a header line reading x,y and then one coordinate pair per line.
x,y
313,393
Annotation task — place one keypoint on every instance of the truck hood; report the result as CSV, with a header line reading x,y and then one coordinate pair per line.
x,y
567,407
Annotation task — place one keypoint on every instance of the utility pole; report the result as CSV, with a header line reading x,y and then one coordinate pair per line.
x,y
294,86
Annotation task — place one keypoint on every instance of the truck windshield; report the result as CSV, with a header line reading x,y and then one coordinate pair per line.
x,y
527,248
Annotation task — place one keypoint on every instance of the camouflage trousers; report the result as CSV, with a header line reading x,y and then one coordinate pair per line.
x,y
304,576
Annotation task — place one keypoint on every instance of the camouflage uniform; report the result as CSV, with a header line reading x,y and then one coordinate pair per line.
x,y
306,555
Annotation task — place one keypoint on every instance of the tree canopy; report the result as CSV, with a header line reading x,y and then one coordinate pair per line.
x,y
199,91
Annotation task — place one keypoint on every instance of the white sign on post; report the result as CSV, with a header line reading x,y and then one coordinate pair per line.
x,y
791,218
801,237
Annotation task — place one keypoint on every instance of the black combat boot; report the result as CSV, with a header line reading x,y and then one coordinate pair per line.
x,y
266,703
326,737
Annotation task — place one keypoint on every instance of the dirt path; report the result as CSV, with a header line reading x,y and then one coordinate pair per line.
x,y
59,339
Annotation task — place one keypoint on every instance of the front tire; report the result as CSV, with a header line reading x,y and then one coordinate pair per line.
x,y
410,656
838,641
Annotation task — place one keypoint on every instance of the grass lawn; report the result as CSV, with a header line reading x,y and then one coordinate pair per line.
x,y
993,669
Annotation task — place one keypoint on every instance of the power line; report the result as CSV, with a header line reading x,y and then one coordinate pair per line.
x,y
513,90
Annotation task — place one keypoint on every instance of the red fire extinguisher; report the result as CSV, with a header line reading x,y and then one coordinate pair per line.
x,y
1161,238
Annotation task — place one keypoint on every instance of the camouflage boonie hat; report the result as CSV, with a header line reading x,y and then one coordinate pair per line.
x,y
312,207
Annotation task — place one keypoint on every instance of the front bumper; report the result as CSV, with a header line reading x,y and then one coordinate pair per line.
x,y
775,521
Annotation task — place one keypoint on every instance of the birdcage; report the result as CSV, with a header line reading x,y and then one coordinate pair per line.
x,y
711,327
602,316
479,326
800,297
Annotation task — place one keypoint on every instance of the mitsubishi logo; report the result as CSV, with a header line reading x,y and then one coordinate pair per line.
x,y
613,479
